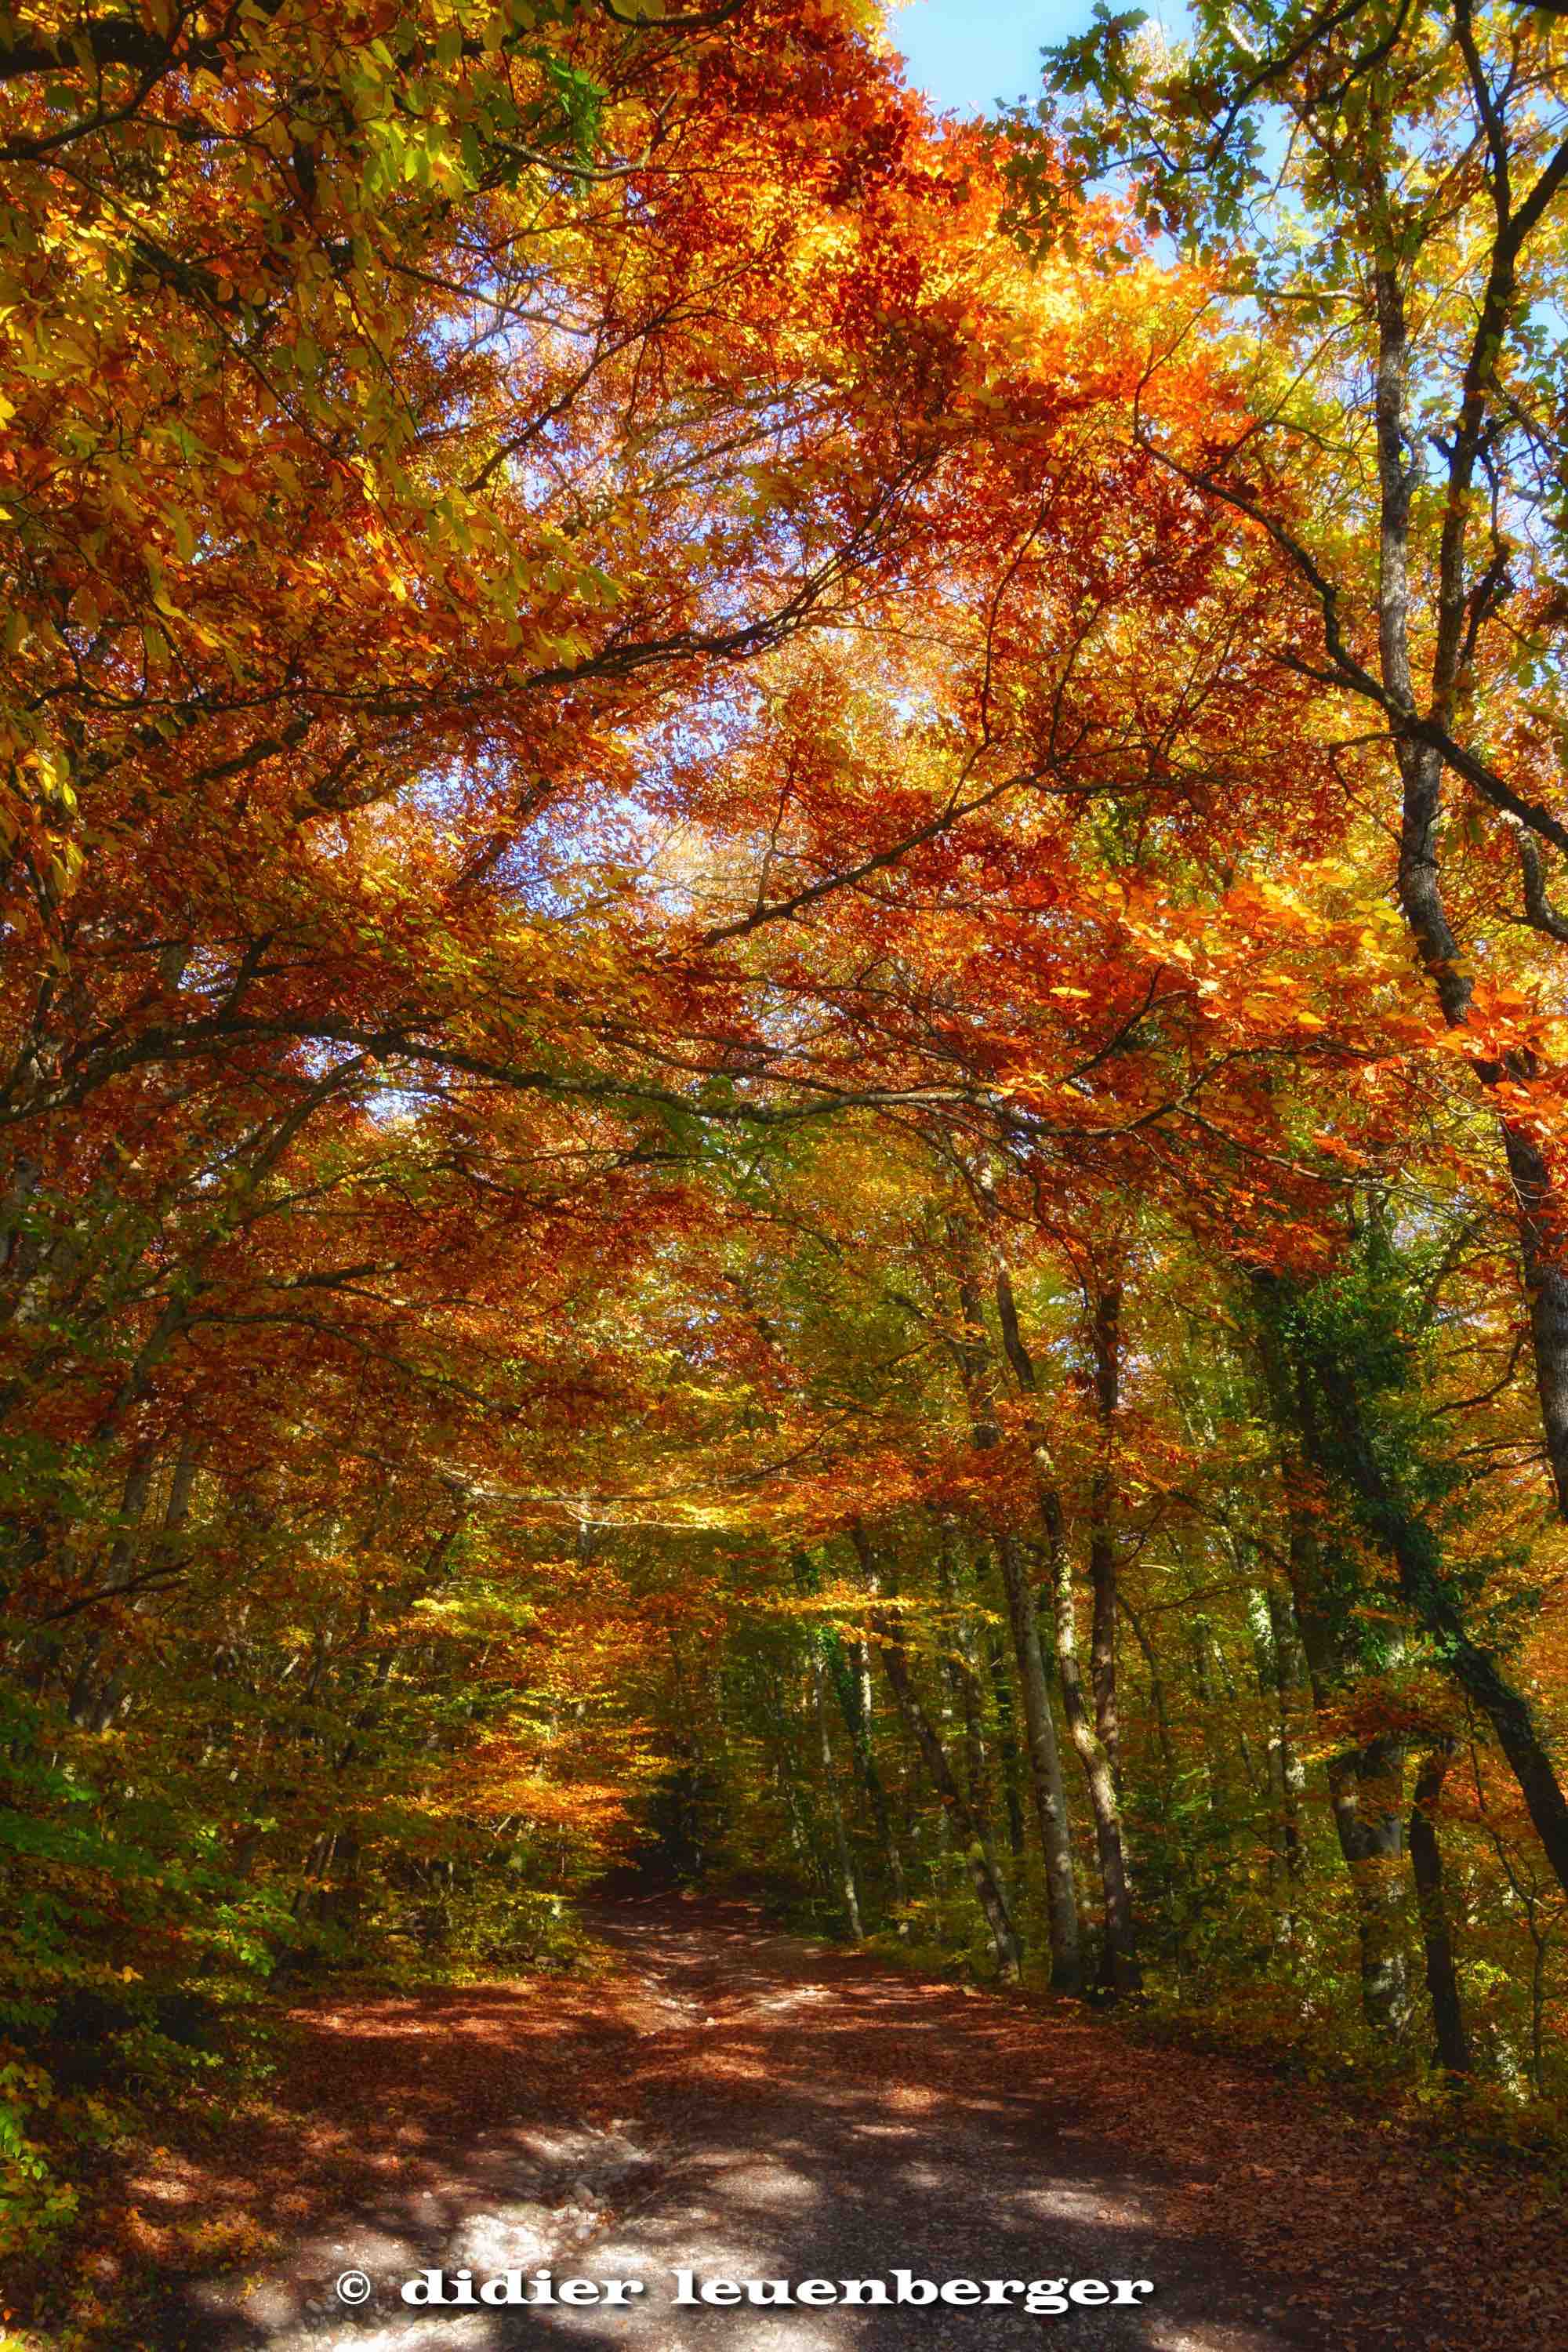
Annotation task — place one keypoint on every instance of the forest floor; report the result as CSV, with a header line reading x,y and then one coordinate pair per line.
x,y
752,2106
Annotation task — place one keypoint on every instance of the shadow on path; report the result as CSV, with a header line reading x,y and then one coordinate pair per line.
x,y
758,2109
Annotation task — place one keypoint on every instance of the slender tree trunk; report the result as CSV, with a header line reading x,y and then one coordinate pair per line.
x,y
1120,1970
987,1886
1047,1785
852,1684
1257,1778
1365,1792
1426,1865
1105,1339
962,1684
1366,1789
1196,1628
849,1892
1180,1867
1290,1776
1006,1746
1158,1702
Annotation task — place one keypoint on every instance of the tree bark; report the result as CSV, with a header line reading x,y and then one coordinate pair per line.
x,y
964,1685
1287,1772
1007,1756
987,1886
1366,1789
1119,1971
1365,1783
1047,1787
848,1891
852,1685
1427,1864
1539,1209
1105,1341
1120,1968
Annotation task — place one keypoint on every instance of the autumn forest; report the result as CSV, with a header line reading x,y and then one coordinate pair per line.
x,y
784,1053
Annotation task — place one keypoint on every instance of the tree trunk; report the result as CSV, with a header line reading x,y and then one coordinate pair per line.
x,y
987,1886
1006,1746
1287,1772
1427,1864
1120,1970
852,1685
1105,1339
1539,1210
962,1684
1366,1788
849,1892
1047,1786
1180,1867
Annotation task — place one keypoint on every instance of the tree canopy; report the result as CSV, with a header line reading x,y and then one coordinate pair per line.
x,y
785,1081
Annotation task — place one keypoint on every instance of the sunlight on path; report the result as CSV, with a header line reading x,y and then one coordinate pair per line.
x,y
788,2130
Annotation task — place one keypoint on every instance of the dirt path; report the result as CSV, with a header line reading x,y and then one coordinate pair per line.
x,y
748,2107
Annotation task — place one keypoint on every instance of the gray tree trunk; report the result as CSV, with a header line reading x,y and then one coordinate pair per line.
x,y
848,1889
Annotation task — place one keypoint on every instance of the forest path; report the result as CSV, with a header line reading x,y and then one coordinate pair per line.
x,y
751,2106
